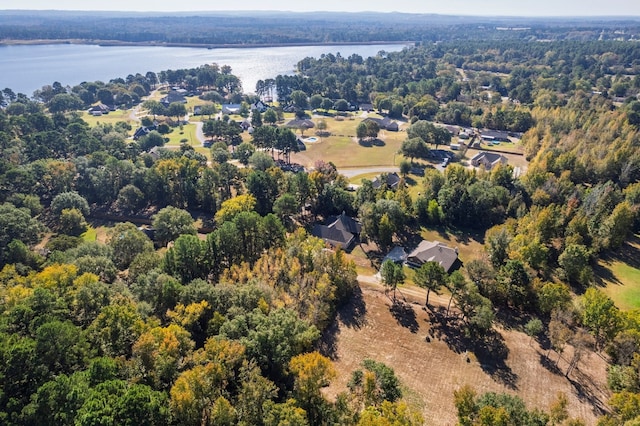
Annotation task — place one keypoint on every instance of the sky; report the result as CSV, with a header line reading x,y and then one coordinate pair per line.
x,y
452,7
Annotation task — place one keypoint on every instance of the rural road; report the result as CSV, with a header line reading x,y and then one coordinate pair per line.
x,y
414,293
351,172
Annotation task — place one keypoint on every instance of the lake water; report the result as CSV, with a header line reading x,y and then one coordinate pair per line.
x,y
25,69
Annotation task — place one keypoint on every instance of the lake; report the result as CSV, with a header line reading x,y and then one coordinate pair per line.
x,y
26,68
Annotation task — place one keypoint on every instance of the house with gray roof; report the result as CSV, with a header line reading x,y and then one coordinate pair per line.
x,y
174,96
433,251
342,231
392,180
494,135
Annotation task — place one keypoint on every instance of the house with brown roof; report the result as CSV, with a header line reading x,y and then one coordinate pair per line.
x,y
433,251
300,123
488,160
385,123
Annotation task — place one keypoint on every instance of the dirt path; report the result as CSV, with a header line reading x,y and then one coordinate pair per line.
x,y
431,359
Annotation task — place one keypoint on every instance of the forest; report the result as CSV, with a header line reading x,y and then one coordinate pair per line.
x,y
269,28
215,318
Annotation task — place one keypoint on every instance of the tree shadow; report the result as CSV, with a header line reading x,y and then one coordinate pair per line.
x,y
586,391
628,253
511,319
447,329
492,353
603,275
370,143
404,315
352,315
549,365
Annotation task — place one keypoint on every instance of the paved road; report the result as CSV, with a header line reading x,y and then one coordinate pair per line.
x,y
351,172
199,133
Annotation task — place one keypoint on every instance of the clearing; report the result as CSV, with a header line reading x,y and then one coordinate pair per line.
x,y
431,359
619,273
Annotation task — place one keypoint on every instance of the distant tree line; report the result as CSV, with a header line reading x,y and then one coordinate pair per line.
x,y
299,28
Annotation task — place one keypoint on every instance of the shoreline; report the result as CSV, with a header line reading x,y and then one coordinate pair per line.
x,y
116,43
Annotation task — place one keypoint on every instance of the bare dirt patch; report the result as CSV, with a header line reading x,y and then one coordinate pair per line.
x,y
432,361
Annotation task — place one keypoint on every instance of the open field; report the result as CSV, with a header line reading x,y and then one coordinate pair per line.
x,y
343,149
187,132
432,361
112,118
513,146
619,273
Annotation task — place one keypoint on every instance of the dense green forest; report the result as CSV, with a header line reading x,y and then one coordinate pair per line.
x,y
251,28
221,328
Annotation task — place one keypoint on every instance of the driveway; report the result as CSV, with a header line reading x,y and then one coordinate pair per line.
x,y
199,132
356,171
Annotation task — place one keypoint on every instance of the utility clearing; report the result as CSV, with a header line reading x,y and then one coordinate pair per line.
x,y
432,360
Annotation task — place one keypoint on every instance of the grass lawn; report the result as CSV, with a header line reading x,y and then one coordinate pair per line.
x,y
357,180
111,118
619,273
515,147
90,234
344,151
188,132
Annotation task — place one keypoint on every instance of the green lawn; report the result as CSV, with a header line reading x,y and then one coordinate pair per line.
x,y
90,234
620,275
515,147
111,118
344,150
187,132
626,294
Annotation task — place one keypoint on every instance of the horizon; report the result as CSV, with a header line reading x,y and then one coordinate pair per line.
x,y
471,8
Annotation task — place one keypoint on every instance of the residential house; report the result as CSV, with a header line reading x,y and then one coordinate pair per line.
x,y
259,106
342,231
300,124
99,109
143,131
433,251
246,125
454,130
366,107
494,135
231,108
385,123
392,180
488,160
174,96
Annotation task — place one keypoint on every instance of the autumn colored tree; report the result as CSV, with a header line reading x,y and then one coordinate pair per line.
x,y
311,372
